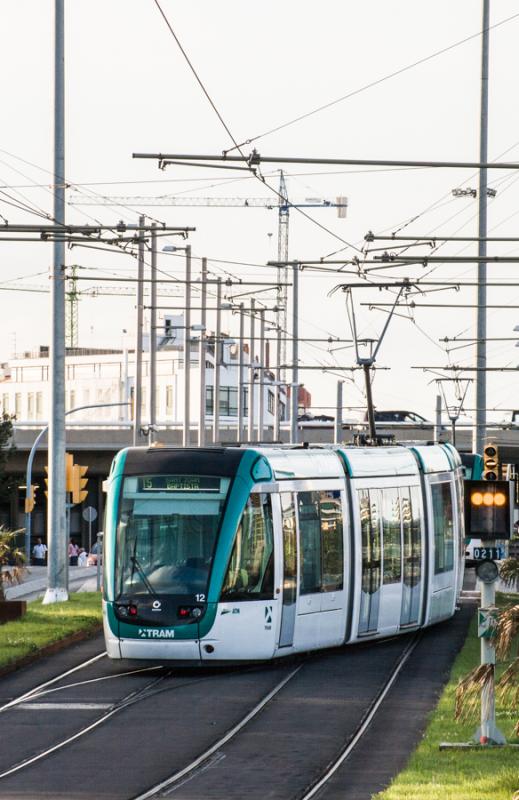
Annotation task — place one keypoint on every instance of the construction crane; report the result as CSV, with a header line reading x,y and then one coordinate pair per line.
x,y
73,295
282,203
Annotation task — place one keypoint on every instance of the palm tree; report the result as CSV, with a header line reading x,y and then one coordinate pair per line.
x,y
12,560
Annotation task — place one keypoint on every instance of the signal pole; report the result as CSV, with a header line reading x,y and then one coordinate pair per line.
x,y
216,373
137,391
187,350
153,336
481,349
201,353
252,356
295,354
57,590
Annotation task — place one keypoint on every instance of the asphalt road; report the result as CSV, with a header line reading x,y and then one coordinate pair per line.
x,y
153,722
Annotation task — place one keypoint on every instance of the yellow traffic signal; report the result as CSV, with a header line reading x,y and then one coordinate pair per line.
x,y
488,509
79,491
69,466
491,466
46,482
29,498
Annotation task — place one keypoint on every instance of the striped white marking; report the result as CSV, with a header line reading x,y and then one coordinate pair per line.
x,y
64,706
36,689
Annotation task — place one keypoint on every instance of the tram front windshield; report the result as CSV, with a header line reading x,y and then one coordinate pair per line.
x,y
167,532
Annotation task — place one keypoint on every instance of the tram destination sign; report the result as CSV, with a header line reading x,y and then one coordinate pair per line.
x,y
179,483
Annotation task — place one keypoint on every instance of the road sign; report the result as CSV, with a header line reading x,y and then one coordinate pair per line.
x,y
485,553
89,514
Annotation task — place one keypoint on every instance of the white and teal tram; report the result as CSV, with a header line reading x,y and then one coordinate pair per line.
x,y
253,553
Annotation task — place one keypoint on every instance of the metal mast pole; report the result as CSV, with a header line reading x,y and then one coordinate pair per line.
x,y
283,223
187,350
261,372
277,394
217,360
153,336
137,392
57,577
251,373
201,354
241,388
481,333
295,354
338,414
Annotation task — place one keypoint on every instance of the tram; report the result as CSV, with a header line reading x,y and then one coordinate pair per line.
x,y
253,553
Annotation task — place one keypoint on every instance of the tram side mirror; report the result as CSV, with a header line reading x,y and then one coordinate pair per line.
x,y
488,509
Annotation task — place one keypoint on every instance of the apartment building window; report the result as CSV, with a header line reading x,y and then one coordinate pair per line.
x,y
5,403
18,405
169,401
30,405
39,405
270,401
228,405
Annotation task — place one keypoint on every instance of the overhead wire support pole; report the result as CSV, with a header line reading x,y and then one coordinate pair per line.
x,y
137,391
241,387
294,395
57,573
277,395
218,347
252,356
201,354
153,339
187,352
479,434
261,372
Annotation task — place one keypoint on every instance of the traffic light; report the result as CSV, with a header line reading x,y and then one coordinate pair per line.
x,y
488,509
79,491
29,499
69,466
491,467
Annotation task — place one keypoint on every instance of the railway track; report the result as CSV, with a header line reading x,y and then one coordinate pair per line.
x,y
288,730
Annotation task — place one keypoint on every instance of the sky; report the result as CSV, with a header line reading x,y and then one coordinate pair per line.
x,y
130,89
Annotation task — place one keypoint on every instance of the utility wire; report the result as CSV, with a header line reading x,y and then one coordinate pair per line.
x,y
376,82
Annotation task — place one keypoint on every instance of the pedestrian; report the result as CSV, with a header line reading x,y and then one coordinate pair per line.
x,y
39,552
73,552
82,557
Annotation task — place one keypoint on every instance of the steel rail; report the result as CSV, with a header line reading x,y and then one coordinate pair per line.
x,y
365,722
201,760
116,708
59,677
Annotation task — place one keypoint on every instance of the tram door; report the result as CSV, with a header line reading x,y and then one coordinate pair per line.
x,y
369,503
289,536
412,556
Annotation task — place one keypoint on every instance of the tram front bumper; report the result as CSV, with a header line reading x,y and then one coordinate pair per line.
x,y
160,650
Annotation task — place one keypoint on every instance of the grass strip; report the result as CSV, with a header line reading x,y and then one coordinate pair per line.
x,y
478,774
44,625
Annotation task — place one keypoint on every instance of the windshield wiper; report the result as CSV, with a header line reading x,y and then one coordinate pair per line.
x,y
136,565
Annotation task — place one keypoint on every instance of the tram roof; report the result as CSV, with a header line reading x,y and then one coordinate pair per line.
x,y
289,462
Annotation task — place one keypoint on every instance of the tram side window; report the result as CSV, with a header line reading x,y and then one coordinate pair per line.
x,y
310,538
332,547
392,570
250,574
443,527
369,501
412,536
320,531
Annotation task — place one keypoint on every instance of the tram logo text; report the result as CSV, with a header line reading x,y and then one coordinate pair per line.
x,y
156,633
